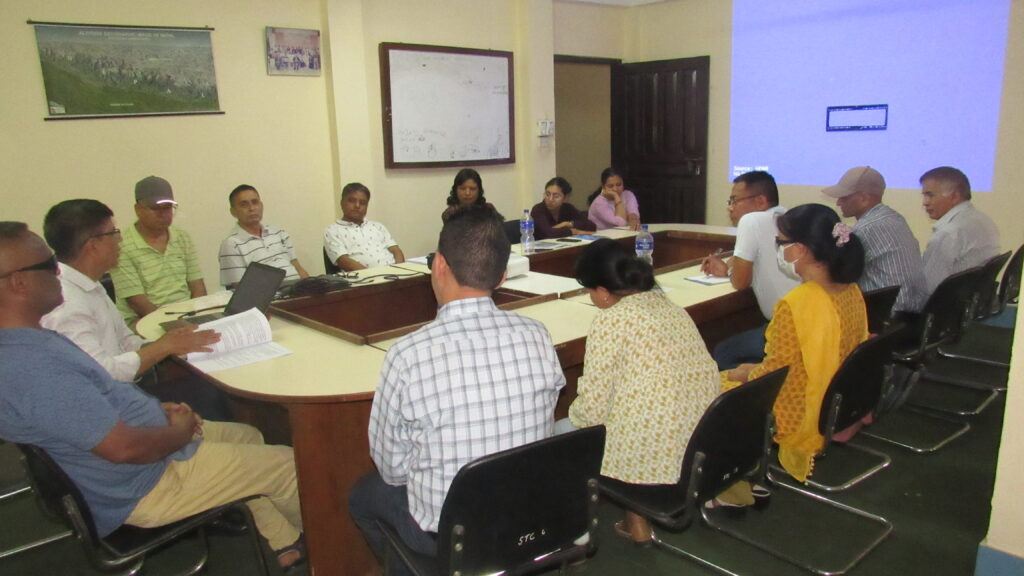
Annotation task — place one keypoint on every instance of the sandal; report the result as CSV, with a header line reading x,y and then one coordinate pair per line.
x,y
623,531
298,546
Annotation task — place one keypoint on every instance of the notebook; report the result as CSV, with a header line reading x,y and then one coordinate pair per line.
x,y
256,289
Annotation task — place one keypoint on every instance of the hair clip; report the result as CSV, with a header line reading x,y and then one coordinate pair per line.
x,y
841,232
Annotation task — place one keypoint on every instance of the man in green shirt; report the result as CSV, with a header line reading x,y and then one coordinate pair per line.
x,y
158,263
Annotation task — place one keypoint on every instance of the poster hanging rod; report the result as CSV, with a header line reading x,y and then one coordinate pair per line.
x,y
34,22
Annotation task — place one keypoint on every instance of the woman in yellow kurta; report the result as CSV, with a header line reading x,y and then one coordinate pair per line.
x,y
647,375
813,328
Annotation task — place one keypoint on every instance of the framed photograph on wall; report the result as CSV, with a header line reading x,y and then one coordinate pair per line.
x,y
293,52
103,71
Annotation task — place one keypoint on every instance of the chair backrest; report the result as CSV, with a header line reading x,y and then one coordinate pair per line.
x,y
732,438
988,283
879,304
58,494
1009,288
509,508
329,267
948,309
512,231
857,386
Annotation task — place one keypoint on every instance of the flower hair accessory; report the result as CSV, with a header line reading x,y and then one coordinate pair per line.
x,y
841,232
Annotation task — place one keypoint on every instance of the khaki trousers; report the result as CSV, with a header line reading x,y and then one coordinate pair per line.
x,y
232,462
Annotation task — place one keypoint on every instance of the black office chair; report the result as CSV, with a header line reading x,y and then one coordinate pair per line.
x,y
108,284
879,305
985,343
512,231
854,393
517,511
126,548
14,483
329,267
730,443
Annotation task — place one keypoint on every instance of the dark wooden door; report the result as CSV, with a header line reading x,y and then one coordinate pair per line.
x,y
660,136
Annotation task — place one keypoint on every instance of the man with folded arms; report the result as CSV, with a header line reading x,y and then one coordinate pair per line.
x,y
892,255
135,460
87,245
253,241
158,262
475,381
963,237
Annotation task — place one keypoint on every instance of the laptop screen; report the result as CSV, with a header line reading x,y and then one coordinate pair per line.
x,y
256,289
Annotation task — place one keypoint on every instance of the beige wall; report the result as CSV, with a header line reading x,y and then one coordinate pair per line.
x,y
410,201
274,134
584,140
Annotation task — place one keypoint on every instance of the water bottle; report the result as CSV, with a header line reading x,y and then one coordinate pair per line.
x,y
526,232
645,245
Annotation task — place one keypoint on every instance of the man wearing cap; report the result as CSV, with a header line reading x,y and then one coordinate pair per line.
x,y
892,255
253,241
158,263
962,236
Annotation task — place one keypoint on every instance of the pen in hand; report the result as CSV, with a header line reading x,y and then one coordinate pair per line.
x,y
705,266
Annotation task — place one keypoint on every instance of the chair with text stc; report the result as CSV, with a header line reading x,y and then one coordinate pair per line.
x,y
879,305
126,548
730,443
516,511
853,394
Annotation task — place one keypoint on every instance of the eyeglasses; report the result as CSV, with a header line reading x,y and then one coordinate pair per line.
x,y
734,200
783,242
48,265
114,232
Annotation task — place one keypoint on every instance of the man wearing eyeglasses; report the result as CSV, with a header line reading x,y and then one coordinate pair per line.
x,y
135,460
87,244
158,263
753,208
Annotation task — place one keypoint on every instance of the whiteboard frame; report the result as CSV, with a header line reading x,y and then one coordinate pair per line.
x,y
386,48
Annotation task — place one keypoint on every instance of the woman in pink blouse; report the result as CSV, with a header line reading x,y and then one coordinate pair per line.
x,y
612,205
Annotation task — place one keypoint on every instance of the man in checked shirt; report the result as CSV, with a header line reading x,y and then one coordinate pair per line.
x,y
475,381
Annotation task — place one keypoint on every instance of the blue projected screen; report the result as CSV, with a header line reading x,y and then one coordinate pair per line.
x,y
900,85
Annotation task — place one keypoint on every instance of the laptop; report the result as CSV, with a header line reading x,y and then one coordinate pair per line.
x,y
256,289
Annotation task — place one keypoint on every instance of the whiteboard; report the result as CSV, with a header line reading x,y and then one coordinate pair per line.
x,y
446,106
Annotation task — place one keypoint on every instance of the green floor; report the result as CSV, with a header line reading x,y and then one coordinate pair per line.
x,y
938,504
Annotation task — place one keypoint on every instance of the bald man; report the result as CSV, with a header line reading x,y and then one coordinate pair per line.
x,y
135,460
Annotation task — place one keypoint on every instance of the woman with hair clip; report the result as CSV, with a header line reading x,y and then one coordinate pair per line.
x,y
813,329
467,190
612,205
647,375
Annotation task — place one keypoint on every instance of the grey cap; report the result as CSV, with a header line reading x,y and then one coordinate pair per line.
x,y
154,190
861,178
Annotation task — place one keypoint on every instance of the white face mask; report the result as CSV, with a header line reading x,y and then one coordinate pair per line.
x,y
788,268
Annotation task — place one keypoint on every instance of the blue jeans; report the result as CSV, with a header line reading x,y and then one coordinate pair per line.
x,y
739,348
371,500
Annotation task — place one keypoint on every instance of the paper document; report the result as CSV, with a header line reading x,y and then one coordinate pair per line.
x,y
244,339
708,280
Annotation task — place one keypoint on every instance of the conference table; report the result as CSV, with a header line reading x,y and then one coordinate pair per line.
x,y
318,398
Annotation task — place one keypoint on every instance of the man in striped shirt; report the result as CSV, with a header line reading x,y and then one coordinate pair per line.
x,y
892,255
475,381
253,241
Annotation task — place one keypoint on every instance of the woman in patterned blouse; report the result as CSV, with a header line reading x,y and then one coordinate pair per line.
x,y
813,328
647,375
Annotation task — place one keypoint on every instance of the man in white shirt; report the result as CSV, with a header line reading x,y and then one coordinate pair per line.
x,y
962,236
354,243
753,209
253,241
86,243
